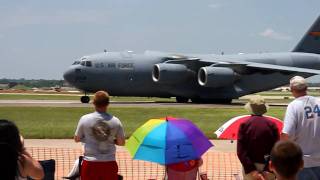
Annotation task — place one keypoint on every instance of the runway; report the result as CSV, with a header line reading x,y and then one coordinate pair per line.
x,y
76,103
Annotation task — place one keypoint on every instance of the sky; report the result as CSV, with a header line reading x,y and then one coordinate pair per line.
x,y
40,39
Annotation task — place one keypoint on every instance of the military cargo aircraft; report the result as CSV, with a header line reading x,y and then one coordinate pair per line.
x,y
201,78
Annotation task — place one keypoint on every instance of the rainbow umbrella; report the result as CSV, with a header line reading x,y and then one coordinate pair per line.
x,y
167,141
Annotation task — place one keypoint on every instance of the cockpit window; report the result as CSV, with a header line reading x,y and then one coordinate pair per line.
x,y
76,62
86,63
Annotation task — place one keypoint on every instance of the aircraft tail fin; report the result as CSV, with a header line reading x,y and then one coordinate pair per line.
x,y
310,43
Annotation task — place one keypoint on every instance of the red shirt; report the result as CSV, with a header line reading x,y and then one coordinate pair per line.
x,y
256,138
184,166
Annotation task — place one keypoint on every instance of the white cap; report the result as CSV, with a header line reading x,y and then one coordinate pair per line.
x,y
298,83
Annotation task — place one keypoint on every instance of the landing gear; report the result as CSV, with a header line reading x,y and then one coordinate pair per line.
x,y
211,101
224,101
182,99
85,99
196,100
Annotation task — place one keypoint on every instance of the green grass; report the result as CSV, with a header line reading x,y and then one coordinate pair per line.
x,y
277,93
56,122
75,97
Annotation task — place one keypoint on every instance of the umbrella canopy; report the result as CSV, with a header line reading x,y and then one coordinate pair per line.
x,y
229,130
167,141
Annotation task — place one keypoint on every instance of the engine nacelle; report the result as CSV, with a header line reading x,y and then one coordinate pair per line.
x,y
170,73
216,76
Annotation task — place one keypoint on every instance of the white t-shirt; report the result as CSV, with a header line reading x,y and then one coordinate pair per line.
x,y
98,131
302,124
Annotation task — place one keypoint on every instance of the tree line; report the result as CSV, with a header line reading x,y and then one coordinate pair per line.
x,y
38,83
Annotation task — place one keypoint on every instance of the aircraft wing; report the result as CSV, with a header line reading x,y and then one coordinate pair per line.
x,y
240,65
264,66
281,68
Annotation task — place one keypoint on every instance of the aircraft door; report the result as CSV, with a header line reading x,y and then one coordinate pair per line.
x,y
127,71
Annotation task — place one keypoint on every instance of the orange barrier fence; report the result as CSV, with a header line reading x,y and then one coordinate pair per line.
x,y
217,165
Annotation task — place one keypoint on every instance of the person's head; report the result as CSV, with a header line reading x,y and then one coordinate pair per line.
x,y
10,148
298,86
256,105
286,159
101,100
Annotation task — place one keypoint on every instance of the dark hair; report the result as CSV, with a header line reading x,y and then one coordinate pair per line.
x,y
101,99
286,157
10,149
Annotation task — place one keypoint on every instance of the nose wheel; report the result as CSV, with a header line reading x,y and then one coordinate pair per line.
x,y
182,99
85,99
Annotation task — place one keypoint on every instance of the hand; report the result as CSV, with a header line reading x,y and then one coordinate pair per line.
x,y
200,162
268,174
256,175
22,142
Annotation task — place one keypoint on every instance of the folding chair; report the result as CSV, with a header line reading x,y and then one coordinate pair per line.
x,y
49,168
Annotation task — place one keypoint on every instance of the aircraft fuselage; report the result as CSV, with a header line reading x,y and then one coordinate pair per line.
x,y
129,74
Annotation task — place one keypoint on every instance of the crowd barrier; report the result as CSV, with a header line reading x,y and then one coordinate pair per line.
x,y
217,165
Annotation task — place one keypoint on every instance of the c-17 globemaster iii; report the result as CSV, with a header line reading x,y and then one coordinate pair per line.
x,y
199,77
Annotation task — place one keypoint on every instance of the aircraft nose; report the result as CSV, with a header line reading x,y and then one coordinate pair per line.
x,y
69,75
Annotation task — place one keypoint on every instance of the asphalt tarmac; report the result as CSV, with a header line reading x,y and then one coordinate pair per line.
x,y
75,103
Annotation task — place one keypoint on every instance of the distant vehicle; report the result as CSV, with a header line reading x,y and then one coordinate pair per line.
x,y
283,89
202,78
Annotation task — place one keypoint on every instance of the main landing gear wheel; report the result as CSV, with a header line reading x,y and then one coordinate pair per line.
x,y
85,99
182,99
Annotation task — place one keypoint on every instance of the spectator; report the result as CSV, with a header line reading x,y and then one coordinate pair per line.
x,y
286,160
99,131
256,138
302,125
16,162
186,170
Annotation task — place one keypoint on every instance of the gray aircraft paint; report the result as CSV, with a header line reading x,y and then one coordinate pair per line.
x,y
227,76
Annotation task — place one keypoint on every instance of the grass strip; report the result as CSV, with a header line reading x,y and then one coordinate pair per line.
x,y
58,122
76,97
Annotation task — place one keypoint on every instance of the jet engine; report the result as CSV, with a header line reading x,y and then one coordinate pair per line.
x,y
216,76
170,73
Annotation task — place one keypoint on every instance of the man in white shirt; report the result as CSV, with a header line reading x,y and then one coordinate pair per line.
x,y
100,132
302,125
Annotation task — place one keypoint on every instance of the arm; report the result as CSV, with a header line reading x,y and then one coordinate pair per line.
x,y
242,151
200,162
275,132
79,132
289,123
120,136
30,166
275,136
120,141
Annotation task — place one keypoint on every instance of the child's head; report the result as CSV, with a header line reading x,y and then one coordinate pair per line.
x,y
286,159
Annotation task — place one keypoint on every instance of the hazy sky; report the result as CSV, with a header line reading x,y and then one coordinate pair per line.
x,y
40,39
